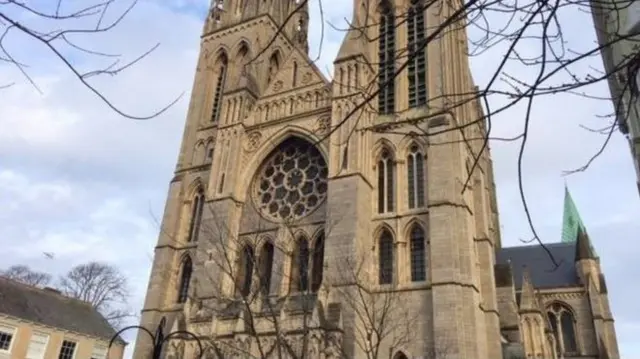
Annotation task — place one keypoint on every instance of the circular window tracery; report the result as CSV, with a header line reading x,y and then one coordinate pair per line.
x,y
292,181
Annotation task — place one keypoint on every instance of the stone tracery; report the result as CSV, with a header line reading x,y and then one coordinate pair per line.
x,y
292,182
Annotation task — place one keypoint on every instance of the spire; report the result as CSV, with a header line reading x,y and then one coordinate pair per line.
x,y
572,225
584,250
528,300
299,25
571,220
503,275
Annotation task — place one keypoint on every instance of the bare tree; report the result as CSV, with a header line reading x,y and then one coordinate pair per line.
x,y
269,298
383,317
61,28
26,275
103,286
99,284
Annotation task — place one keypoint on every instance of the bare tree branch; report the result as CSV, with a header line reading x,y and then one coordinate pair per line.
x,y
63,26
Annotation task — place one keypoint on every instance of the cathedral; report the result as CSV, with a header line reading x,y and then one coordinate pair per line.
x,y
354,217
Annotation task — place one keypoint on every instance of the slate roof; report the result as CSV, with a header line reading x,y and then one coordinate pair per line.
x,y
540,266
48,307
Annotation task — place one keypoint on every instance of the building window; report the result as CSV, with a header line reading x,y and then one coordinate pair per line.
x,y
67,350
99,352
196,216
386,175
185,279
6,338
266,267
563,325
217,97
245,274
37,346
300,268
292,181
417,70
318,263
385,257
415,178
417,248
386,54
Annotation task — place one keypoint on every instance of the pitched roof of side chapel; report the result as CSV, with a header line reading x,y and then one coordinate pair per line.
x,y
541,269
50,308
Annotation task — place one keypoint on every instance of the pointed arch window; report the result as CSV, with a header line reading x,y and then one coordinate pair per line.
x,y
400,355
417,249
266,267
295,74
197,207
274,66
417,69
245,273
300,267
317,268
386,182
386,54
563,324
217,98
385,257
185,280
415,177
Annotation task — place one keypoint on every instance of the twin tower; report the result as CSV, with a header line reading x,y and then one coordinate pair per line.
x,y
345,218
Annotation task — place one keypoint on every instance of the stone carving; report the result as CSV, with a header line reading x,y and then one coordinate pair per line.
x,y
176,350
323,124
202,313
306,77
253,141
277,85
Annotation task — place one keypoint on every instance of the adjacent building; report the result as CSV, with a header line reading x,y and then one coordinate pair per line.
x,y
616,23
38,323
300,222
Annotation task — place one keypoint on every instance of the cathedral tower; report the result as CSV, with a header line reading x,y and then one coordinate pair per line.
x,y
294,196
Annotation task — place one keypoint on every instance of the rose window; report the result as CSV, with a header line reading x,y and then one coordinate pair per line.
x,y
292,182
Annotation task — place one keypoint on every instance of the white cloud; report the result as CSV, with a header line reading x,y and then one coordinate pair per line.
x,y
80,181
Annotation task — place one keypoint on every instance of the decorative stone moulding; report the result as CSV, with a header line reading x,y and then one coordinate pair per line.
x,y
253,141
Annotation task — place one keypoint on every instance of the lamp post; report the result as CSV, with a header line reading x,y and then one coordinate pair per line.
x,y
159,338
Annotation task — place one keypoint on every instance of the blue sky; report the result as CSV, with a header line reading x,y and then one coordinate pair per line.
x,y
80,181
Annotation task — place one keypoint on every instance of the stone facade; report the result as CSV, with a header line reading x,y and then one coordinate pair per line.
x,y
300,222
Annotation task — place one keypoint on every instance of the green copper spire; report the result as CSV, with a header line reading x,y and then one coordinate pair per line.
x,y
571,221
572,225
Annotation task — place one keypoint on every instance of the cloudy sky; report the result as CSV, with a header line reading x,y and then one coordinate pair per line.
x,y
82,182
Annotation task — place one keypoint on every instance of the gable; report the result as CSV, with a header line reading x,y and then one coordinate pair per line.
x,y
50,308
295,72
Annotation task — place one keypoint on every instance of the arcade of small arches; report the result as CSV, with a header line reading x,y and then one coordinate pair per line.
x,y
240,59
256,271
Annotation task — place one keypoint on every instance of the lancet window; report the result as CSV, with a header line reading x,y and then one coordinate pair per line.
x,y
386,57
417,69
